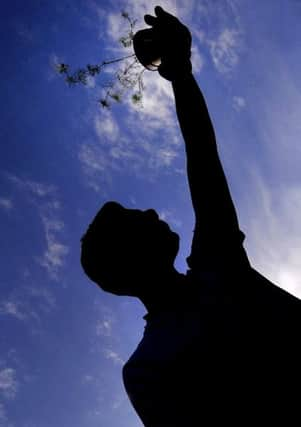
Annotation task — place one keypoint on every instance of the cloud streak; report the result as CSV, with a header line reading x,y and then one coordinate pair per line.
x,y
225,50
12,308
114,357
6,204
45,200
273,237
56,252
8,383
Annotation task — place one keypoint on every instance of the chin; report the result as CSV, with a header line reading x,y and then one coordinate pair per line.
x,y
174,243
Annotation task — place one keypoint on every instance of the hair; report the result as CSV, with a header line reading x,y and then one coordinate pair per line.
x,y
103,245
120,249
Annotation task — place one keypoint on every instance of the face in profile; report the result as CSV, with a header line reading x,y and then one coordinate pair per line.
x,y
123,247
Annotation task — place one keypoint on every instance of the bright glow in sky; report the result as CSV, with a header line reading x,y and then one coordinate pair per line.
x,y
63,341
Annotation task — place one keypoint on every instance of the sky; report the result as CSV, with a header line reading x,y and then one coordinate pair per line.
x,y
64,341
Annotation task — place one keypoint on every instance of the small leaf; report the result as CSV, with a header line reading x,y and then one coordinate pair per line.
x,y
81,76
70,80
137,97
126,41
104,103
62,68
93,69
125,14
116,97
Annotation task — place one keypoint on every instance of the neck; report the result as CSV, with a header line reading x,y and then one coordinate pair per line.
x,y
162,291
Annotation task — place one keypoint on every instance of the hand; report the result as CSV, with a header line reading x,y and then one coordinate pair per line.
x,y
175,40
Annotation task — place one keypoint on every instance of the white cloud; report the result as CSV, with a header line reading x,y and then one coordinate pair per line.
x,y
166,156
3,417
113,356
196,59
273,237
168,216
158,104
225,50
106,127
35,188
6,204
44,198
28,303
139,145
52,71
91,159
12,308
116,26
217,14
104,327
8,383
239,103
151,130
55,253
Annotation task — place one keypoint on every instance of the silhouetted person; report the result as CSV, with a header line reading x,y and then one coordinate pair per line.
x,y
221,342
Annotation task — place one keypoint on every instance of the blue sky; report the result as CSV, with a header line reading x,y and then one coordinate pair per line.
x,y
63,341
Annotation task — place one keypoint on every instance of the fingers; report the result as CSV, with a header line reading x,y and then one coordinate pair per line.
x,y
150,20
162,17
159,11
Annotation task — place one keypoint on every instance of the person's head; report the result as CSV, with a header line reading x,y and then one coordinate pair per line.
x,y
123,249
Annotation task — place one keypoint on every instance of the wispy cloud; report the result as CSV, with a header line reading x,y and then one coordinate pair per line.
x,y
55,253
106,127
197,60
274,230
3,417
221,32
139,145
12,308
275,193
147,142
44,198
104,327
239,103
157,110
52,72
6,204
37,189
8,383
113,356
170,217
225,50
28,304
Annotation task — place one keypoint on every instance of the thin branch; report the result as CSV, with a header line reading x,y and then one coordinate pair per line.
x,y
117,60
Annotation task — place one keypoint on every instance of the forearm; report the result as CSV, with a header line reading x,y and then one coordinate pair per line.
x,y
209,189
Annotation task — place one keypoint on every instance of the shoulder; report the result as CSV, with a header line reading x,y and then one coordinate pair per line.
x,y
270,293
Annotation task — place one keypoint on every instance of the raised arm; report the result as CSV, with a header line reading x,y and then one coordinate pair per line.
x,y
216,229
210,194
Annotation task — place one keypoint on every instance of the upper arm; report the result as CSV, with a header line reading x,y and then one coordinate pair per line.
x,y
212,252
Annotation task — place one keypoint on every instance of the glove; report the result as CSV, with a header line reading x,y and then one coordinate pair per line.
x,y
175,44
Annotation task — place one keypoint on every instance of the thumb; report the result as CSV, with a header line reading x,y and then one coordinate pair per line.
x,y
163,15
